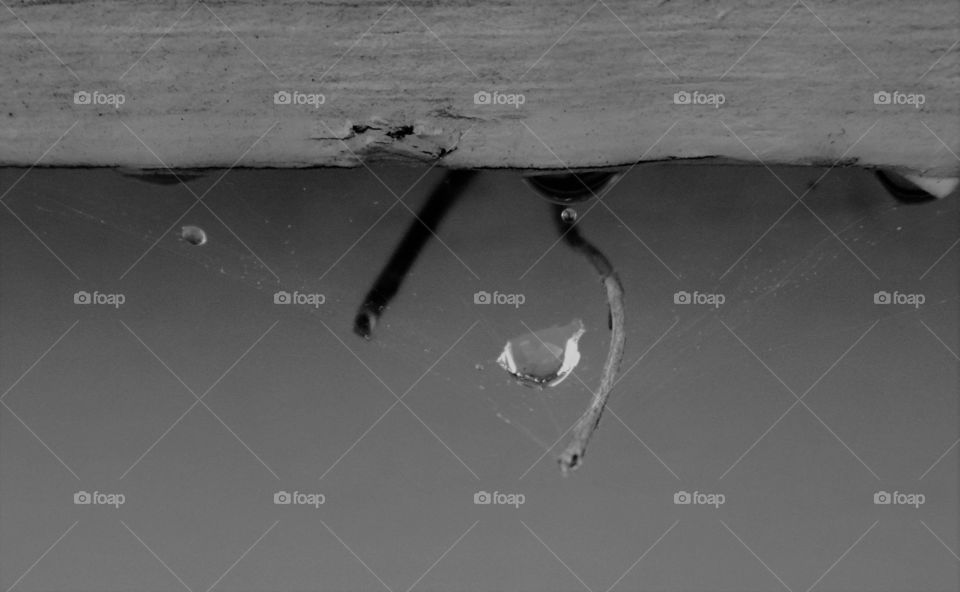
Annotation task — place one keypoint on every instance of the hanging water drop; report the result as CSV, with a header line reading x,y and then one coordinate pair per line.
x,y
543,358
568,215
194,235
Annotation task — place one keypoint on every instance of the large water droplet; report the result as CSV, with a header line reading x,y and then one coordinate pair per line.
x,y
544,357
194,235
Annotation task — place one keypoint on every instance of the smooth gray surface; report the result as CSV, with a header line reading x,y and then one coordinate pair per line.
x,y
702,409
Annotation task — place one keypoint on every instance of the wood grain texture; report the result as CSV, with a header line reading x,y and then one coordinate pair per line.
x,y
798,82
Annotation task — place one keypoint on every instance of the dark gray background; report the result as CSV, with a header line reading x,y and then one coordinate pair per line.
x,y
693,412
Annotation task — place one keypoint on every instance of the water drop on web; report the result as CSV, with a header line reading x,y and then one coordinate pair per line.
x,y
194,235
568,215
543,358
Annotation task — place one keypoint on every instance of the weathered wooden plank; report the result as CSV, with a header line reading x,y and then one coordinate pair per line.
x,y
598,81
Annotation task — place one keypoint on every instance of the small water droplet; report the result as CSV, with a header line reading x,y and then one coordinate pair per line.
x,y
194,235
568,215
